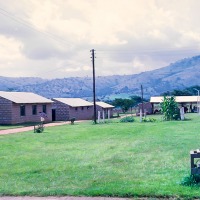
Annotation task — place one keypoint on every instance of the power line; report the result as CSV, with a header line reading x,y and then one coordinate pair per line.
x,y
61,67
27,25
145,51
44,33
100,51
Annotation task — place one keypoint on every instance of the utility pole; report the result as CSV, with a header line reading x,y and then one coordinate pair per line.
x,y
94,91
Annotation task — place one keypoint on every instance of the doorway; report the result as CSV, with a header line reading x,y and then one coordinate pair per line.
x,y
53,115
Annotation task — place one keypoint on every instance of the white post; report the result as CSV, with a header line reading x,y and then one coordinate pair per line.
x,y
108,114
140,115
99,116
103,116
182,113
198,102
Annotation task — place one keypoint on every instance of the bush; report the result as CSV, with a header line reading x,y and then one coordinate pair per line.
x,y
192,180
39,128
127,119
146,119
170,109
72,120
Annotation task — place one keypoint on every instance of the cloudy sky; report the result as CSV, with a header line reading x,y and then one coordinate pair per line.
x,y
53,38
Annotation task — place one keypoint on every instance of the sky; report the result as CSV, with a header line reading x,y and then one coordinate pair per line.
x,y
54,38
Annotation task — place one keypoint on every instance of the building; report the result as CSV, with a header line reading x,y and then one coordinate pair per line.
x,y
147,108
189,102
22,107
104,107
65,109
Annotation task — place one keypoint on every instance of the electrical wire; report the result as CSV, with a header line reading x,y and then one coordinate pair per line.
x,y
130,51
60,67
33,28
102,53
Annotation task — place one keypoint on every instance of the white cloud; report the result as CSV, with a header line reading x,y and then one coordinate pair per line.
x,y
76,69
40,37
10,49
86,68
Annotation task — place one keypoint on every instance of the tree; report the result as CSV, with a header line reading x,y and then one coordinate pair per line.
x,y
181,93
170,109
136,100
193,89
124,104
189,91
184,92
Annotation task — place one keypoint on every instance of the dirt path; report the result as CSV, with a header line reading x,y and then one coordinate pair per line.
x,y
29,128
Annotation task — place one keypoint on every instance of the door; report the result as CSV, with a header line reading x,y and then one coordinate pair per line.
x,y
53,115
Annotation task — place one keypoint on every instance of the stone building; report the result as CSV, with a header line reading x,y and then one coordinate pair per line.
x,y
65,109
106,108
147,108
22,107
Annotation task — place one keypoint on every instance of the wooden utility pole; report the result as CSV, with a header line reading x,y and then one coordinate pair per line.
x,y
94,87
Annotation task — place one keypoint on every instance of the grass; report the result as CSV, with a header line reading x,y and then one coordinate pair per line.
x,y
112,159
4,127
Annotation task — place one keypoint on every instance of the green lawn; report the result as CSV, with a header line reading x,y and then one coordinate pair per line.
x,y
4,127
112,159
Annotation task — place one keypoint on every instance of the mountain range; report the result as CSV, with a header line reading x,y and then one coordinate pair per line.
x,y
179,75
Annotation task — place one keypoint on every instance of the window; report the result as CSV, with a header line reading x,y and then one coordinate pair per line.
x,y
88,107
82,108
76,109
22,110
34,109
44,109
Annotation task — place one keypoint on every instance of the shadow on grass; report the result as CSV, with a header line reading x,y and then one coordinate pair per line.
x,y
187,119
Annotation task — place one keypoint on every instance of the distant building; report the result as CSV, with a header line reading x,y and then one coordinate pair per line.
x,y
65,109
191,103
147,107
22,107
104,107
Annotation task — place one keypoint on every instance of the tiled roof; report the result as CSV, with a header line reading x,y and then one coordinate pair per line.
x,y
179,99
24,97
104,105
74,102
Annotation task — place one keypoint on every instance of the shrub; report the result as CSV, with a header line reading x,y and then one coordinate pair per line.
x,y
72,120
170,109
127,119
147,119
39,128
192,180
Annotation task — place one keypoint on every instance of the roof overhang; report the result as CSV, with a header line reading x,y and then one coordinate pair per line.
x,y
179,99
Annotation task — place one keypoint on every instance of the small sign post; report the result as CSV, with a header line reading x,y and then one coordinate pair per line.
x,y
195,166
